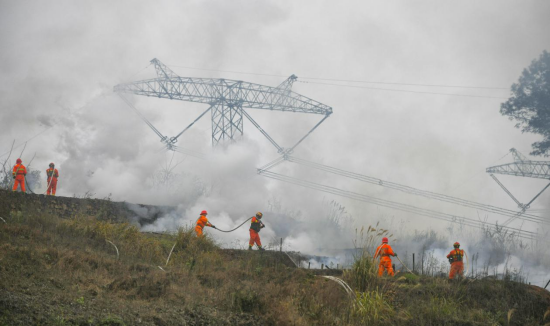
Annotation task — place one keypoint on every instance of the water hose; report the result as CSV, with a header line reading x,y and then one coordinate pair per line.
x,y
117,255
236,227
170,254
375,254
467,264
28,188
292,260
341,282
346,287
49,183
404,264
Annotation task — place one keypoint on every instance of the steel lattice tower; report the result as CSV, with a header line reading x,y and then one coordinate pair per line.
x,y
521,167
227,100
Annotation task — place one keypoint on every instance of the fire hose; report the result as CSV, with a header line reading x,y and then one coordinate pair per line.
x,y
29,188
50,182
236,227
467,264
403,264
170,254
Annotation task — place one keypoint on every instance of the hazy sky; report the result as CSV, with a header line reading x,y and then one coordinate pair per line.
x,y
60,59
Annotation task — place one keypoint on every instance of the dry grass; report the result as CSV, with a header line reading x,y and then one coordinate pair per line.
x,y
63,271
75,276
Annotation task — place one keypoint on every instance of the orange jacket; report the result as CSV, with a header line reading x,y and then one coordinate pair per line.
x,y
384,251
203,221
54,172
19,169
457,255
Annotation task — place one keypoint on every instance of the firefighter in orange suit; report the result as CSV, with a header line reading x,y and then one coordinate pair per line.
x,y
201,223
19,172
384,251
255,228
456,257
52,175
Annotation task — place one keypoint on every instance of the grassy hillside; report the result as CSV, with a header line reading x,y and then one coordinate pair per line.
x,y
65,271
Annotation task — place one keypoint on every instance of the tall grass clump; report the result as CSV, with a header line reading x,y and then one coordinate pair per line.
x,y
363,272
371,307
127,237
192,251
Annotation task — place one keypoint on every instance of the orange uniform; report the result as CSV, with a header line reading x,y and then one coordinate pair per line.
x,y
52,174
19,172
201,223
384,251
255,227
457,265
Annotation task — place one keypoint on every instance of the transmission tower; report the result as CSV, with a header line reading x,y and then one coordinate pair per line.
x,y
226,100
521,167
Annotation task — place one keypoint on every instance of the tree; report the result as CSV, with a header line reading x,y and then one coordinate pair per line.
x,y
529,104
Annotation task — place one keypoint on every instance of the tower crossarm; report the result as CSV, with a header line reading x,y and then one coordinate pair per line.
x,y
531,169
518,157
209,90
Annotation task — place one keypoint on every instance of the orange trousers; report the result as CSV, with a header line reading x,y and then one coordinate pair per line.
x,y
52,186
19,181
385,264
456,268
254,238
198,231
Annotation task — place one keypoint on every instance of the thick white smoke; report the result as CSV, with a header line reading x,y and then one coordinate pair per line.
x,y
59,62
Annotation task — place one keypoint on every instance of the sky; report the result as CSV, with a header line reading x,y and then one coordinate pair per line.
x,y
59,61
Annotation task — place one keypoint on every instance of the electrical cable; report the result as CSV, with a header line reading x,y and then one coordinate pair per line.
x,y
404,90
526,206
528,235
28,140
475,175
418,192
342,80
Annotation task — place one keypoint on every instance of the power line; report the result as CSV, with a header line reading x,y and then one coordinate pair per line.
x,y
403,90
342,80
28,140
475,175
403,84
418,192
402,207
229,71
